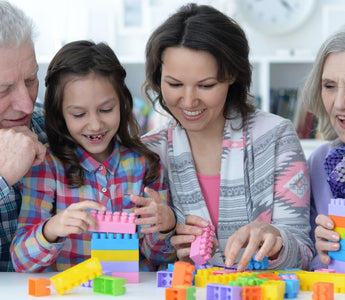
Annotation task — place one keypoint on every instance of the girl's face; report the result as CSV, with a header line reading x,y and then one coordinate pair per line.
x,y
91,108
333,91
191,89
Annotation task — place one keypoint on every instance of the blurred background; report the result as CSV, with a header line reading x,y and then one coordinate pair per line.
x,y
281,54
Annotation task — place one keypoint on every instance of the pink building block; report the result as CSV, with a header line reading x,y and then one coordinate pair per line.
x,y
117,222
131,277
325,271
201,247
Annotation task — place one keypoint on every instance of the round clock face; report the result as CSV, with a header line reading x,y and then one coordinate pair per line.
x,y
276,16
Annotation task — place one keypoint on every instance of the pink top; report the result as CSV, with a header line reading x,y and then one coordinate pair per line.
x,y
210,189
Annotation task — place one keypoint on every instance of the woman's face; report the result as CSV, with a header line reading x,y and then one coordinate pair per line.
x,y
333,91
191,89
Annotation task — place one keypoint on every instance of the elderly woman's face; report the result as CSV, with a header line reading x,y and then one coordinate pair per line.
x,y
191,89
333,91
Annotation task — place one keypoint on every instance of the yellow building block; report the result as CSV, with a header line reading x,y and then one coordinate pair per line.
x,y
307,279
340,230
76,275
273,290
116,255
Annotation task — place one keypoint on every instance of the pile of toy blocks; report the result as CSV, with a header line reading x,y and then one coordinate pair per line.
x,y
336,211
114,259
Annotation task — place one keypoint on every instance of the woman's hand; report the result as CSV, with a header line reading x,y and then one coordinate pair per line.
x,y
259,237
325,238
153,211
73,220
185,235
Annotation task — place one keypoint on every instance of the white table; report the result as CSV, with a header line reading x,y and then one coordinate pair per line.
x,y
14,286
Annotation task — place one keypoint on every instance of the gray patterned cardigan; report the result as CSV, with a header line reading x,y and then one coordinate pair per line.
x,y
264,177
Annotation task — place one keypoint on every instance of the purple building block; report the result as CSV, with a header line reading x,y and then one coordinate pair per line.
x,y
164,278
336,207
120,266
337,265
216,291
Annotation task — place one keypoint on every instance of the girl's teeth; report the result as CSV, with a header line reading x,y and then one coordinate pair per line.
x,y
94,137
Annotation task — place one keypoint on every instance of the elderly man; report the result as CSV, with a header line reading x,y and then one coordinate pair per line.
x,y
21,128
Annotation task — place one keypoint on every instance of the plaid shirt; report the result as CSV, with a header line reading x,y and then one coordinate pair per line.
x,y
10,199
45,193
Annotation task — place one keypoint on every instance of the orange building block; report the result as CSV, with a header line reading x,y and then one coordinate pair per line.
x,y
271,276
175,293
323,291
251,292
38,287
183,274
338,221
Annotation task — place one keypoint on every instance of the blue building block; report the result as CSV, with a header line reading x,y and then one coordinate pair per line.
x,y
258,265
216,291
292,287
340,254
170,268
110,241
164,278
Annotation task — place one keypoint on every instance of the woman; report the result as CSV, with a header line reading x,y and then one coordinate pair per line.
x,y
240,168
324,96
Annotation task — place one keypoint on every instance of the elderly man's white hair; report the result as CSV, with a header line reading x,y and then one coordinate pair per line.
x,y
15,27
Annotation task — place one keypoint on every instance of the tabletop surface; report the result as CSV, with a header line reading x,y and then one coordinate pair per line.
x,y
15,286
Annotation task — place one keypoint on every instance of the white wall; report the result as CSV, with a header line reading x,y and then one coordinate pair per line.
x,y
61,21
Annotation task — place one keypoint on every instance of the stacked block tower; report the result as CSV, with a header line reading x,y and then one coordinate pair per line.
x,y
116,244
336,211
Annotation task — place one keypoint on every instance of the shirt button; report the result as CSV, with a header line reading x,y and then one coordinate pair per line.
x,y
104,190
100,168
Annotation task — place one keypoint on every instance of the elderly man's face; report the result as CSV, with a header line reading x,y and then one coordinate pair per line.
x,y
18,85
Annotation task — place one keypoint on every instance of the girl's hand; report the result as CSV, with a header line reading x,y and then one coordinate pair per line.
x,y
259,237
153,211
325,238
73,220
185,235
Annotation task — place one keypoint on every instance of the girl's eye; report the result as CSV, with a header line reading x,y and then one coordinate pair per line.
x,y
78,115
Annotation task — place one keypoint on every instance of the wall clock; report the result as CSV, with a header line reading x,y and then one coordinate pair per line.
x,y
276,16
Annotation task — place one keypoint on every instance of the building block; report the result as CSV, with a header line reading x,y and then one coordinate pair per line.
x,y
180,293
116,255
109,285
340,230
201,247
164,278
183,274
337,265
258,265
271,276
273,290
76,275
222,291
291,288
288,276
325,270
120,266
340,254
338,221
117,222
87,284
38,287
110,241
336,207
131,277
323,291
170,267
251,293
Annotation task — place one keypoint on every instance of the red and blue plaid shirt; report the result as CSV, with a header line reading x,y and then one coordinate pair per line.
x,y
45,193
11,199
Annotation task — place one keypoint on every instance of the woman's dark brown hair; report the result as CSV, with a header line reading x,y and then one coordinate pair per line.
x,y
202,27
78,59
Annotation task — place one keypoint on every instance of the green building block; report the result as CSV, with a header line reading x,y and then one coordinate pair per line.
x,y
109,285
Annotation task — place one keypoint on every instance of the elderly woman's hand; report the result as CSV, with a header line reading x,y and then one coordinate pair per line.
x,y
326,239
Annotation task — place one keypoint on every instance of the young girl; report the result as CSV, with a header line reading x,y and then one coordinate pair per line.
x,y
95,160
